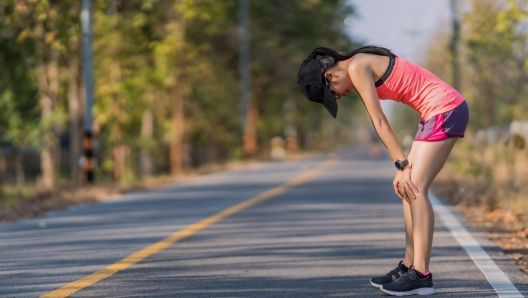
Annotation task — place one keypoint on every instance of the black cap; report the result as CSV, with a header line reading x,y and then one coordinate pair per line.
x,y
312,83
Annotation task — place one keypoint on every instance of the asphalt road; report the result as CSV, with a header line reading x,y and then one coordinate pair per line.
x,y
322,237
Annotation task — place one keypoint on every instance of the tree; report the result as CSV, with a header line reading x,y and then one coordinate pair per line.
x,y
18,91
165,79
496,54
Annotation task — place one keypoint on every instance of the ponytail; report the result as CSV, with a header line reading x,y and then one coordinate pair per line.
x,y
331,57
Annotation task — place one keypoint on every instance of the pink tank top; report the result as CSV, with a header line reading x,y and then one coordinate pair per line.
x,y
420,89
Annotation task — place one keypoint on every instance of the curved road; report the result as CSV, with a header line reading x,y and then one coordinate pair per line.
x,y
316,227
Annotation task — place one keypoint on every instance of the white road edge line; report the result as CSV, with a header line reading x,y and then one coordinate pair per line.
x,y
497,279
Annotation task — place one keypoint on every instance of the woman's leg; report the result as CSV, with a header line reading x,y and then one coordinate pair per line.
x,y
427,160
407,218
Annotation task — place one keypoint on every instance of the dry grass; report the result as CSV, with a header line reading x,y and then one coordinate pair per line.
x,y
489,183
18,203
494,175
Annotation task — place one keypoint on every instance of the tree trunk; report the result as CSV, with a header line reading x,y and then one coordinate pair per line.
x,y
147,129
453,46
3,166
54,83
178,125
178,115
19,169
118,152
250,133
48,84
113,7
48,143
119,149
213,154
74,111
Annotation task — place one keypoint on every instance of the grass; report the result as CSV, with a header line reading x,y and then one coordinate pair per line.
x,y
11,196
29,201
491,176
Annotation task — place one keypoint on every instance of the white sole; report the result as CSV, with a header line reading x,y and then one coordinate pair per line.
x,y
375,285
420,291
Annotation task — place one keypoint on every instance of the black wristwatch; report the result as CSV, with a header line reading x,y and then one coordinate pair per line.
x,y
401,164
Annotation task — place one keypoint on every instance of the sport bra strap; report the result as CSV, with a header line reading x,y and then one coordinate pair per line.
x,y
387,72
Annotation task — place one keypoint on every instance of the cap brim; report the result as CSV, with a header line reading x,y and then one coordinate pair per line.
x,y
330,102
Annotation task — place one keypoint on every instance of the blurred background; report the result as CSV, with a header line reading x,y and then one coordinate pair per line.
x,y
185,84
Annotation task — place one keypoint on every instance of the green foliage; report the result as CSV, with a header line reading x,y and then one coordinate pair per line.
x,y
496,42
494,72
20,130
10,196
278,48
142,48
493,62
18,102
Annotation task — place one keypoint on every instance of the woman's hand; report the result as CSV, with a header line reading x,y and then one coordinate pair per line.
x,y
403,185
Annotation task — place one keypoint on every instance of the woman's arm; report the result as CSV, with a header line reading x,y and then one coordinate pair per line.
x,y
360,73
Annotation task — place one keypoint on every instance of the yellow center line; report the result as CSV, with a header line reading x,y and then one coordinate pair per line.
x,y
150,250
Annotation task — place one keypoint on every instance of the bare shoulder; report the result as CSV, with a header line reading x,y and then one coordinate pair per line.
x,y
362,62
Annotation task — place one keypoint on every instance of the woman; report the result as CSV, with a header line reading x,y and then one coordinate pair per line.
x,y
376,73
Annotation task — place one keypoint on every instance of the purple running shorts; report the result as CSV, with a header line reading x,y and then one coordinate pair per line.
x,y
451,124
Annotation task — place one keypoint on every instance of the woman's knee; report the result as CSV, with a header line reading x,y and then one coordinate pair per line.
x,y
421,183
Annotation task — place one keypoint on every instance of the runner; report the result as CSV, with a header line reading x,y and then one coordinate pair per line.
x,y
376,73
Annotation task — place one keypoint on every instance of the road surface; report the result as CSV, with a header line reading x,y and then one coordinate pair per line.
x,y
317,227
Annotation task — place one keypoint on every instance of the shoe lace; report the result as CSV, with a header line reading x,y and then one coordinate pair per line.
x,y
407,276
394,271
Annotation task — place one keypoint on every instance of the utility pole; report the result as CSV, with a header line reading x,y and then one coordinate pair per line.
x,y
453,46
243,61
88,144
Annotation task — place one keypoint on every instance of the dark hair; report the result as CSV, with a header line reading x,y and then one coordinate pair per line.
x,y
331,57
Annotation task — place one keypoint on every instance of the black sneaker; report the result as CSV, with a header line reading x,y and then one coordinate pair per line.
x,y
410,284
393,275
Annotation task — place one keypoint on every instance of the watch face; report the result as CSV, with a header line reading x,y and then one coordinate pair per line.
x,y
400,164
